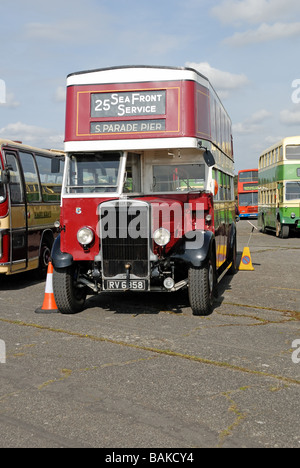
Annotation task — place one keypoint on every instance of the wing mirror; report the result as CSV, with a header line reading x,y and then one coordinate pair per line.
x,y
209,158
5,176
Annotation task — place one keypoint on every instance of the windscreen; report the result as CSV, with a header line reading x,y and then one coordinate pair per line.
x,y
181,177
94,172
248,199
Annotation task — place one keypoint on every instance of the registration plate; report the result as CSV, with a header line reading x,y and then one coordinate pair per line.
x,y
123,285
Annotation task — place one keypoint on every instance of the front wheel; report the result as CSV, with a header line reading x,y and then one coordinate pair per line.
x,y
201,289
282,230
44,258
69,296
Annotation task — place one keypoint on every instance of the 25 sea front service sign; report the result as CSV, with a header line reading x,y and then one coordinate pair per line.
x,y
128,104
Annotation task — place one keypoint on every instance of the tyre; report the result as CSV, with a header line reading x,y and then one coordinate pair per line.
x,y
69,297
285,232
201,289
263,229
44,259
282,230
233,269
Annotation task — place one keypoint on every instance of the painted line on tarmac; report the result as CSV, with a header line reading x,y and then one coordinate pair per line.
x,y
272,309
163,352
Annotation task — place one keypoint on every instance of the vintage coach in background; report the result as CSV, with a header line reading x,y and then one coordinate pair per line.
x,y
30,190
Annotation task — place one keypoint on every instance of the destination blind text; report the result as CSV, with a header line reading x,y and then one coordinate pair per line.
x,y
128,127
128,104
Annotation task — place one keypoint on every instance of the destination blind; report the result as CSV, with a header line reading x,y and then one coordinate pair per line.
x,y
128,104
129,127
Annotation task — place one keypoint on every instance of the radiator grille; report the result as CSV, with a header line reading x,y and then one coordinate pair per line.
x,y
125,232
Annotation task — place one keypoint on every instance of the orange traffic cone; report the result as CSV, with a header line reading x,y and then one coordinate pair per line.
x,y
49,306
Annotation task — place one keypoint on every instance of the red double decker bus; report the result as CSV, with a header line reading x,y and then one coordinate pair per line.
x,y
248,193
148,192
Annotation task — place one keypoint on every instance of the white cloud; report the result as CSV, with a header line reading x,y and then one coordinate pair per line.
x,y
10,101
290,117
75,29
272,140
260,116
264,33
32,135
222,81
255,11
59,31
60,94
252,124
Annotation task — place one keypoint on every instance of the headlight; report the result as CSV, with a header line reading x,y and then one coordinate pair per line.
x,y
162,237
85,236
293,215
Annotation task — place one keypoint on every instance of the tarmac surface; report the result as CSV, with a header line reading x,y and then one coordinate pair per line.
x,y
140,371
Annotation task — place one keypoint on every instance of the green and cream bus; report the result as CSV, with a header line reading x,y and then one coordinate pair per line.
x,y
279,188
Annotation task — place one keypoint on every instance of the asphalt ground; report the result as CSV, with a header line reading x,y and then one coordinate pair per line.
x,y
139,370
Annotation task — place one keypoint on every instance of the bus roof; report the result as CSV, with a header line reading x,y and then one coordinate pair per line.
x,y
19,145
293,140
248,170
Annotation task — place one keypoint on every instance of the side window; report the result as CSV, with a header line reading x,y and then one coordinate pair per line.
x,y
32,185
215,177
133,174
15,185
2,188
51,183
221,185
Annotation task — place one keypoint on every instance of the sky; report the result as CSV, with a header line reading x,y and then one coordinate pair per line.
x,y
249,49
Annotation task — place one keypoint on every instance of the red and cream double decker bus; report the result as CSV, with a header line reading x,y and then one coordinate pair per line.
x,y
148,194
248,193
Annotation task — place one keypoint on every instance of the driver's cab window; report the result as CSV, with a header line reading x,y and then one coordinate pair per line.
x,y
15,185
132,182
178,178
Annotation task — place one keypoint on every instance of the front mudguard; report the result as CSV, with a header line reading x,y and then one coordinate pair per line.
x,y
60,259
194,253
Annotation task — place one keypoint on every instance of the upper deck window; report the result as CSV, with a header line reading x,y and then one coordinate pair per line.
x,y
292,152
249,176
174,178
94,172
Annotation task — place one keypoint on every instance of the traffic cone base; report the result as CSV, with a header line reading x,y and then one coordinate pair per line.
x,y
49,305
246,262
